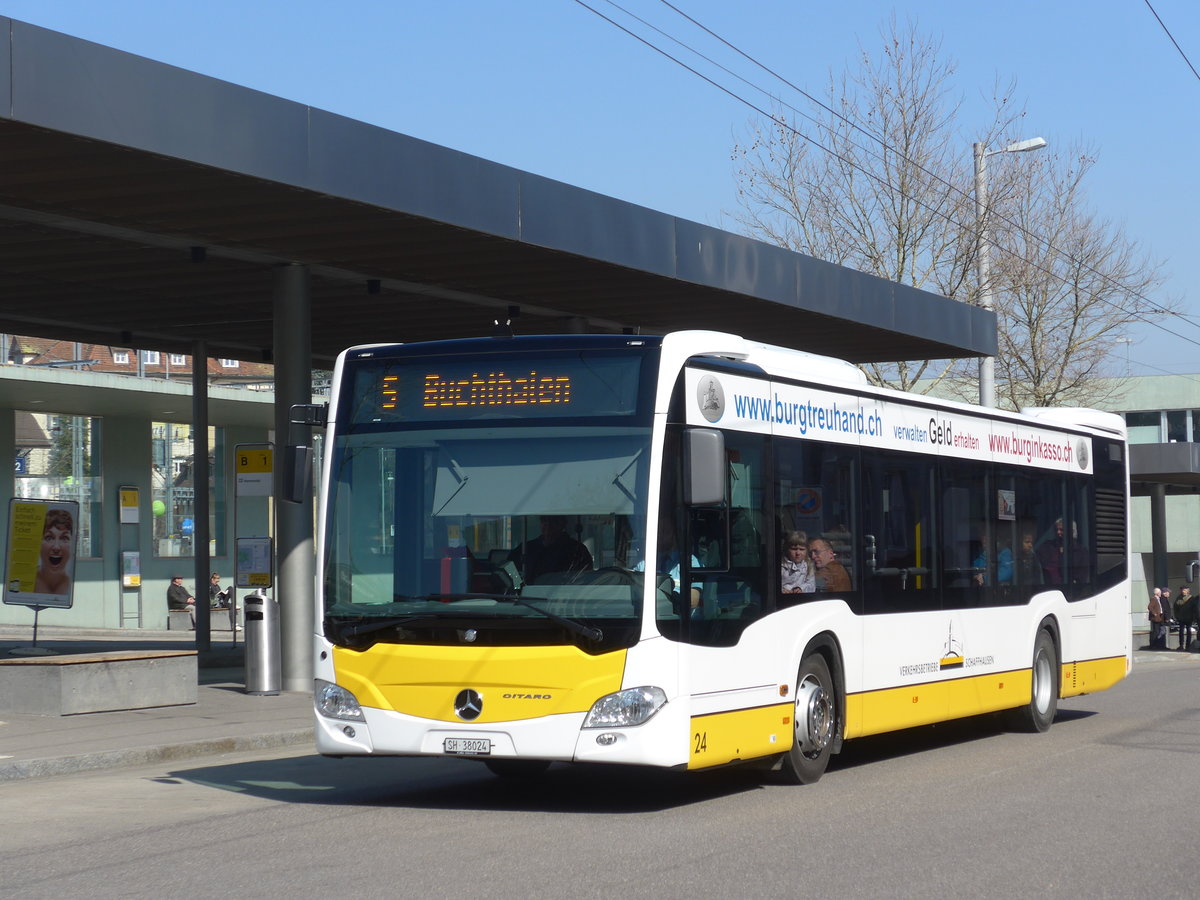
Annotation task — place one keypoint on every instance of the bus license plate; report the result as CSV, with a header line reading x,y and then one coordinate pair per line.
x,y
469,746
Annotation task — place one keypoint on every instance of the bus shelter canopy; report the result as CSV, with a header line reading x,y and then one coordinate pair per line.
x,y
146,206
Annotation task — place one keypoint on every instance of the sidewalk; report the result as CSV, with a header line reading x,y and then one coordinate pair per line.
x,y
224,718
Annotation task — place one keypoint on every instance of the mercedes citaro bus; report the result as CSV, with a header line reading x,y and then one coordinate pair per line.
x,y
569,548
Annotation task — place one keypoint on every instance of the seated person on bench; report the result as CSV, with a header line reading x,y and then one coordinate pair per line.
x,y
178,598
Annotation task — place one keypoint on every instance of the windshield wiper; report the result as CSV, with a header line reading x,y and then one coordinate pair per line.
x,y
590,632
372,625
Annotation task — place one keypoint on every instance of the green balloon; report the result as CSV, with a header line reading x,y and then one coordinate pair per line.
x,y
160,508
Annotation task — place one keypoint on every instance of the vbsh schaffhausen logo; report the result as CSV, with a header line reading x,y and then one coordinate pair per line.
x,y
1081,453
710,397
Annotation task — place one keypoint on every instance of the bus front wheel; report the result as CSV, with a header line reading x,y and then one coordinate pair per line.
x,y
1038,714
814,722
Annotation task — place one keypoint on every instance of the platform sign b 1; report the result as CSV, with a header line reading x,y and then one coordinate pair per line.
x,y
254,465
39,568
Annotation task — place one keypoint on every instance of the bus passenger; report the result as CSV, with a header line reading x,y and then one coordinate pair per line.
x,y
796,572
668,561
1027,568
1004,566
1050,555
830,575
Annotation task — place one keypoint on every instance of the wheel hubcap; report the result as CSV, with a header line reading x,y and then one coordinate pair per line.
x,y
814,716
1041,682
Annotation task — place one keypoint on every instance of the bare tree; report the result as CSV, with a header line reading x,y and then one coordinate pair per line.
x,y
1068,285
880,180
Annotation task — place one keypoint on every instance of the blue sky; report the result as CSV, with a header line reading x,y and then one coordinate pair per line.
x,y
547,86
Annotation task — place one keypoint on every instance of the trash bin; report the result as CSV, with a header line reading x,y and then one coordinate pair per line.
x,y
262,644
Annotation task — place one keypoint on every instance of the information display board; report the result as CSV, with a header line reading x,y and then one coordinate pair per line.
x,y
131,569
254,569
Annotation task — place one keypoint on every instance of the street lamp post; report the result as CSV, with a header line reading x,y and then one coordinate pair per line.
x,y
987,364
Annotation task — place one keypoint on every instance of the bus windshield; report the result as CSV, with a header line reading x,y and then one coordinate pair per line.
x,y
518,527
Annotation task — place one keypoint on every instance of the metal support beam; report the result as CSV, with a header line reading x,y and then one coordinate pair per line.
x,y
294,521
1158,534
201,476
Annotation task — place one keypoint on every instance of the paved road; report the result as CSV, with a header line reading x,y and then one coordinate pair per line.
x,y
1104,805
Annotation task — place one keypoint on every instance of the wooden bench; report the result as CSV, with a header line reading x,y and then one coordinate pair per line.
x,y
98,682
179,620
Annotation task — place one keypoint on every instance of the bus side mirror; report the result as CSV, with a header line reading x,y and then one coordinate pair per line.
x,y
297,473
296,484
706,480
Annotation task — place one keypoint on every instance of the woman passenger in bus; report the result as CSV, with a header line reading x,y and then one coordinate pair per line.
x,y
1028,570
796,571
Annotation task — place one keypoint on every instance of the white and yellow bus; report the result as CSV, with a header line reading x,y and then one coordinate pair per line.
x,y
569,548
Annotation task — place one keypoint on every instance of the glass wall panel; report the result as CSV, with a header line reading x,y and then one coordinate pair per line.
x,y
58,458
1177,425
1144,427
173,493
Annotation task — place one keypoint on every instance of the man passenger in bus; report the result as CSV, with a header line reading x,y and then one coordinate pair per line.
x,y
796,572
830,574
552,551
1050,555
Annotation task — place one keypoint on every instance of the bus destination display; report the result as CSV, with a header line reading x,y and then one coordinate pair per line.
x,y
521,386
492,389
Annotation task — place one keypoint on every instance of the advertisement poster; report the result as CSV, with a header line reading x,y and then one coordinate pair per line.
x,y
40,560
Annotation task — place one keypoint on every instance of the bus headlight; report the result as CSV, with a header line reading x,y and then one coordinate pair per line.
x,y
629,707
336,702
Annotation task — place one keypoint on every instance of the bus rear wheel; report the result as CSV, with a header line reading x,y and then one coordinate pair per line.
x,y
814,722
1038,714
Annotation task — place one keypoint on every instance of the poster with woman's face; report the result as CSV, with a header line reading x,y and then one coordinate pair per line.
x,y
40,562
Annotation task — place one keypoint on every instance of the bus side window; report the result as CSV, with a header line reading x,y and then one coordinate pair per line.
x,y
899,571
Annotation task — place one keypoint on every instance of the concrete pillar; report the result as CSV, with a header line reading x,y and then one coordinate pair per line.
x,y
292,355
1158,534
